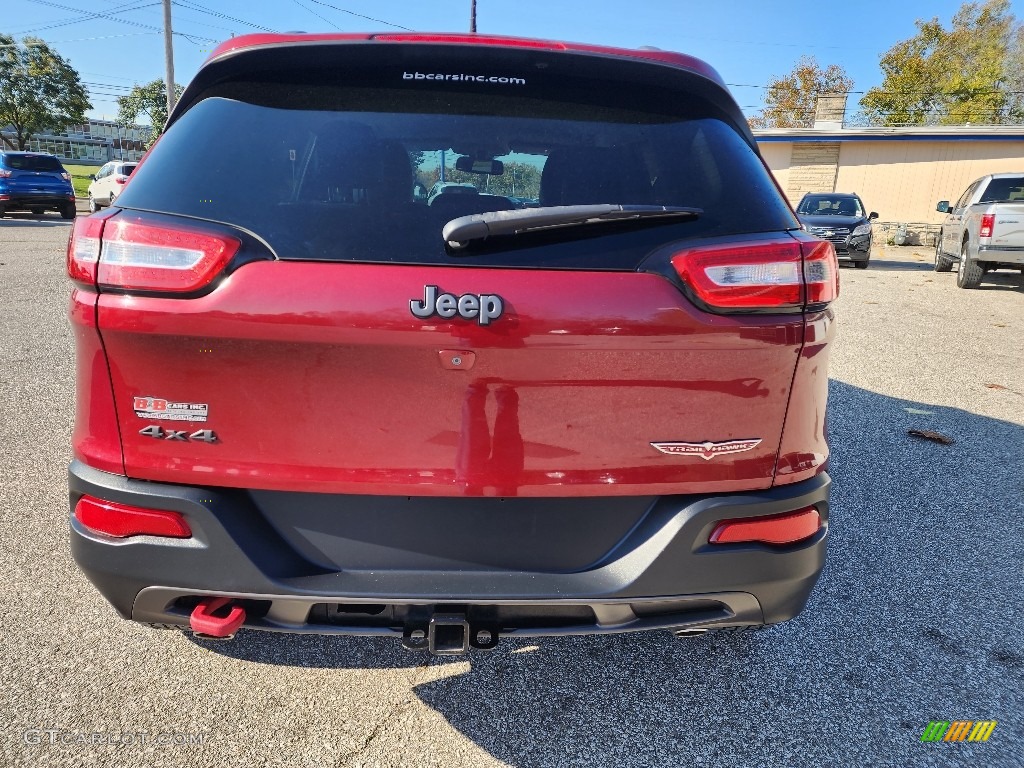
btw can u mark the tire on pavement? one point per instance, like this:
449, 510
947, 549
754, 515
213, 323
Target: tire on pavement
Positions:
943, 263
968, 271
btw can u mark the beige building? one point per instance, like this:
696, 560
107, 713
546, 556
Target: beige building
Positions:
899, 172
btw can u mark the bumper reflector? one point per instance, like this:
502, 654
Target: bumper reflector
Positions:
123, 520
787, 528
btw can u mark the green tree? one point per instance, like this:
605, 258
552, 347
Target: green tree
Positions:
39, 90
518, 180
790, 100
963, 74
148, 102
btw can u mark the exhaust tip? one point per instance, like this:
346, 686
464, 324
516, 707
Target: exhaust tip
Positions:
683, 633
212, 638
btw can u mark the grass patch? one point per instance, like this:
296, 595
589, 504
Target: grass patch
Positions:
80, 177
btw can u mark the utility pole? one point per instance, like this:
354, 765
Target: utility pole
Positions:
472, 17
168, 58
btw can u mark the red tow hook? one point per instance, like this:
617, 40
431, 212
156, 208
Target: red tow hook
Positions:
206, 623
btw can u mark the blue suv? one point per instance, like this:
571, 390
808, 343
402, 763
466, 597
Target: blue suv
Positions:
36, 183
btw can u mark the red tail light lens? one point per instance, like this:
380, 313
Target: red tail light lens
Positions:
66, 176
4, 174
821, 272
84, 248
120, 179
124, 520
779, 275
988, 223
787, 528
142, 256
744, 277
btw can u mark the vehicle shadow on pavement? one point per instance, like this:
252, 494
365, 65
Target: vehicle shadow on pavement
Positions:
1000, 281
916, 618
887, 265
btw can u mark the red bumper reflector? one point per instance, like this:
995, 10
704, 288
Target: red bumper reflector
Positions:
124, 520
216, 617
787, 528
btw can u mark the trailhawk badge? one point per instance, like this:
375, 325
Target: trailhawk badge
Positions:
707, 450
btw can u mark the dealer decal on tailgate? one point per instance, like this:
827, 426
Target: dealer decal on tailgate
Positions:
158, 408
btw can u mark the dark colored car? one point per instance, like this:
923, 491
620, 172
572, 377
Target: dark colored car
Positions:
841, 219
308, 401
30, 181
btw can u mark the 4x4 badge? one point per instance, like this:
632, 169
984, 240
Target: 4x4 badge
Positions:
707, 450
484, 307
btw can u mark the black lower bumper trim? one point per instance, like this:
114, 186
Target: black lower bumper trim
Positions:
661, 573
417, 624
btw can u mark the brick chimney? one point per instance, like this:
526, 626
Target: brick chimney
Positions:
829, 111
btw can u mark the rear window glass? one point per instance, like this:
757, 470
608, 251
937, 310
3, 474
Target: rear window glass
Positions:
126, 170
32, 163
1010, 189
359, 174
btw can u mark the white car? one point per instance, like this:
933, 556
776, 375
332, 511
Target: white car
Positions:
107, 184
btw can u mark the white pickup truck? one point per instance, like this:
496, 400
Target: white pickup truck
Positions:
984, 229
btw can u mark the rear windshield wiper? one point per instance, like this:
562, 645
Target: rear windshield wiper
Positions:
460, 232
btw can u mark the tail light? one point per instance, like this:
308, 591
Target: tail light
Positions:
124, 520
84, 248
787, 528
778, 275
111, 250
4, 174
142, 256
988, 223
66, 176
821, 272
120, 179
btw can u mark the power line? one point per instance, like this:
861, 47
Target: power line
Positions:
307, 8
88, 17
196, 7
361, 16
110, 16
78, 39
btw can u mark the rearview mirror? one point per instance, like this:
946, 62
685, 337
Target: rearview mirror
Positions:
872, 216
488, 167
943, 206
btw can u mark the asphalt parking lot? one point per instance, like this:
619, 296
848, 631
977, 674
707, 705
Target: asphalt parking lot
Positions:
918, 615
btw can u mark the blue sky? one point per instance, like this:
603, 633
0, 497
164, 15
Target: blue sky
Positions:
745, 40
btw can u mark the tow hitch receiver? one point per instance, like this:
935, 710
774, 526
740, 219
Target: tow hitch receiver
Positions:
448, 634
216, 618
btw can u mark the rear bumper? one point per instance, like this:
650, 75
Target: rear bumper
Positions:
49, 199
1001, 255
660, 573
854, 248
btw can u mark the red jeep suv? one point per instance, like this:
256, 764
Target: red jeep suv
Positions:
584, 394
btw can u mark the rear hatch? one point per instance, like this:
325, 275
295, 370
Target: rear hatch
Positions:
35, 174
326, 336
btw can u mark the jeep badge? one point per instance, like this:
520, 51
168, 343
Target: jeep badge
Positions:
483, 307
